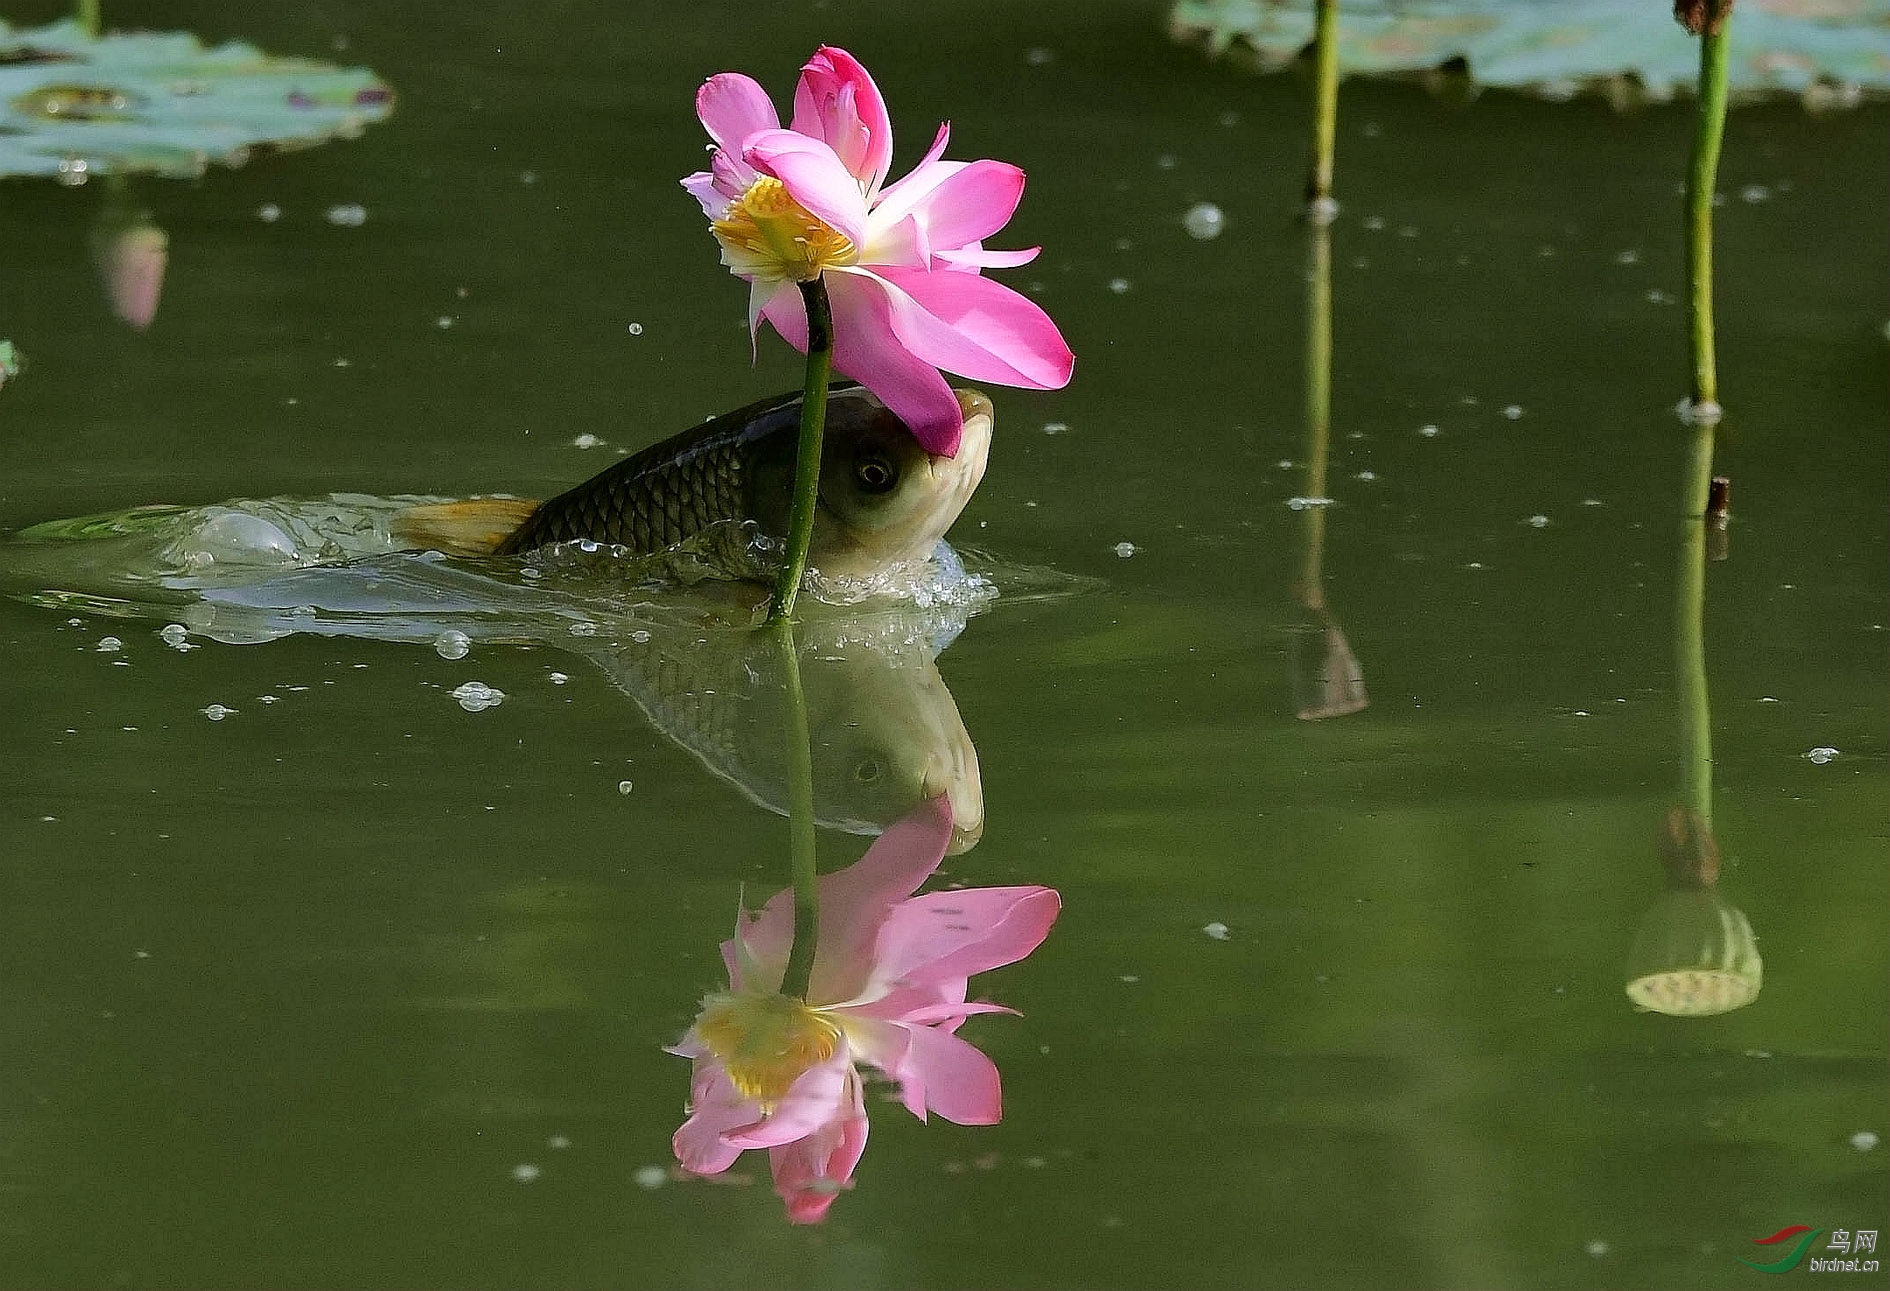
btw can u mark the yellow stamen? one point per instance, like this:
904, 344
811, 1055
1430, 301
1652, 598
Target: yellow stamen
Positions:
766, 234
765, 1042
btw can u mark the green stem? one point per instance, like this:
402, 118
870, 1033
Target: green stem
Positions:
1318, 412
1702, 174
787, 583
89, 17
800, 965
1689, 633
1326, 109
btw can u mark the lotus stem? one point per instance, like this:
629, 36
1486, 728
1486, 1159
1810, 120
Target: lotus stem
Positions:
1689, 635
1318, 411
89, 17
1320, 208
801, 852
1702, 175
787, 583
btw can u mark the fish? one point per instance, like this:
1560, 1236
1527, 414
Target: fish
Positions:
882, 498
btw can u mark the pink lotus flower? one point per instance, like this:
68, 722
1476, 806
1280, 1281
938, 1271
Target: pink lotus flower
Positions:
902, 262
888, 989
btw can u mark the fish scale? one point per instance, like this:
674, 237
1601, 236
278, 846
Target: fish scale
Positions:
648, 502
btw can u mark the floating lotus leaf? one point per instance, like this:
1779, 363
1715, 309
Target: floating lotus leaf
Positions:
1832, 52
74, 105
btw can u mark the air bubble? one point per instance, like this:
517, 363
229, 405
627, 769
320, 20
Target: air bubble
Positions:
1307, 504
1217, 930
476, 696
268, 212
635, 329
1820, 755
1119, 285
350, 215
1125, 549
217, 712
586, 441
452, 644
625, 786
109, 645
1204, 221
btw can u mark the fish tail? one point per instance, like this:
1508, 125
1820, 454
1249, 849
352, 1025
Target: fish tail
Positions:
475, 527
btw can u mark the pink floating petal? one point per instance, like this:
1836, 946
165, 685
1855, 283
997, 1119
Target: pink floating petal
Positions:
732, 107
133, 267
978, 328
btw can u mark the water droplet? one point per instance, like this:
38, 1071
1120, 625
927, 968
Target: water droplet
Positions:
347, 216
525, 1172
640, 636
1537, 522
476, 696
586, 441
175, 635
1119, 285
1166, 161
268, 212
528, 177
583, 628
1513, 412
1217, 930
1204, 221
635, 329
557, 1142
1429, 432
624, 787
1596, 1247
1125, 549
1056, 427
109, 645
217, 712
1367, 476
1655, 296
558, 678
1307, 504
1820, 755
443, 322
1630, 256
650, 1177
1864, 1140
452, 644
1373, 223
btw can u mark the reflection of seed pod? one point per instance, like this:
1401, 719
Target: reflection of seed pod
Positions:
1694, 956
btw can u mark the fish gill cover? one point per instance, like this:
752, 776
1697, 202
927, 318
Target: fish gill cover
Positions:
1831, 52
73, 104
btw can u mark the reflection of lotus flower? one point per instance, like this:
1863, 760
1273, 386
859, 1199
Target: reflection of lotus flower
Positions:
902, 263
131, 255
888, 989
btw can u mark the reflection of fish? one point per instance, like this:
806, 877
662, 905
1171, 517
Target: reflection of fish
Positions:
884, 731
883, 498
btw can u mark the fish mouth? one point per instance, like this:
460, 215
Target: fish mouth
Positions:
951, 772
974, 444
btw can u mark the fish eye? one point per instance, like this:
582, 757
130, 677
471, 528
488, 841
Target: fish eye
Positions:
869, 770
875, 474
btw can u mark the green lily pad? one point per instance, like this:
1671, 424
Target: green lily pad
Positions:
73, 105
1831, 52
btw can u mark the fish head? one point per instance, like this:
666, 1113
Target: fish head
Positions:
886, 736
883, 498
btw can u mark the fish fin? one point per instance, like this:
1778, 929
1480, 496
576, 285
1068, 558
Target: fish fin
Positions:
474, 527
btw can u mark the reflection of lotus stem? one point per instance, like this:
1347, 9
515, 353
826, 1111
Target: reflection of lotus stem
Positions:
1700, 180
88, 17
1326, 109
807, 464
800, 965
1318, 410
1689, 633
